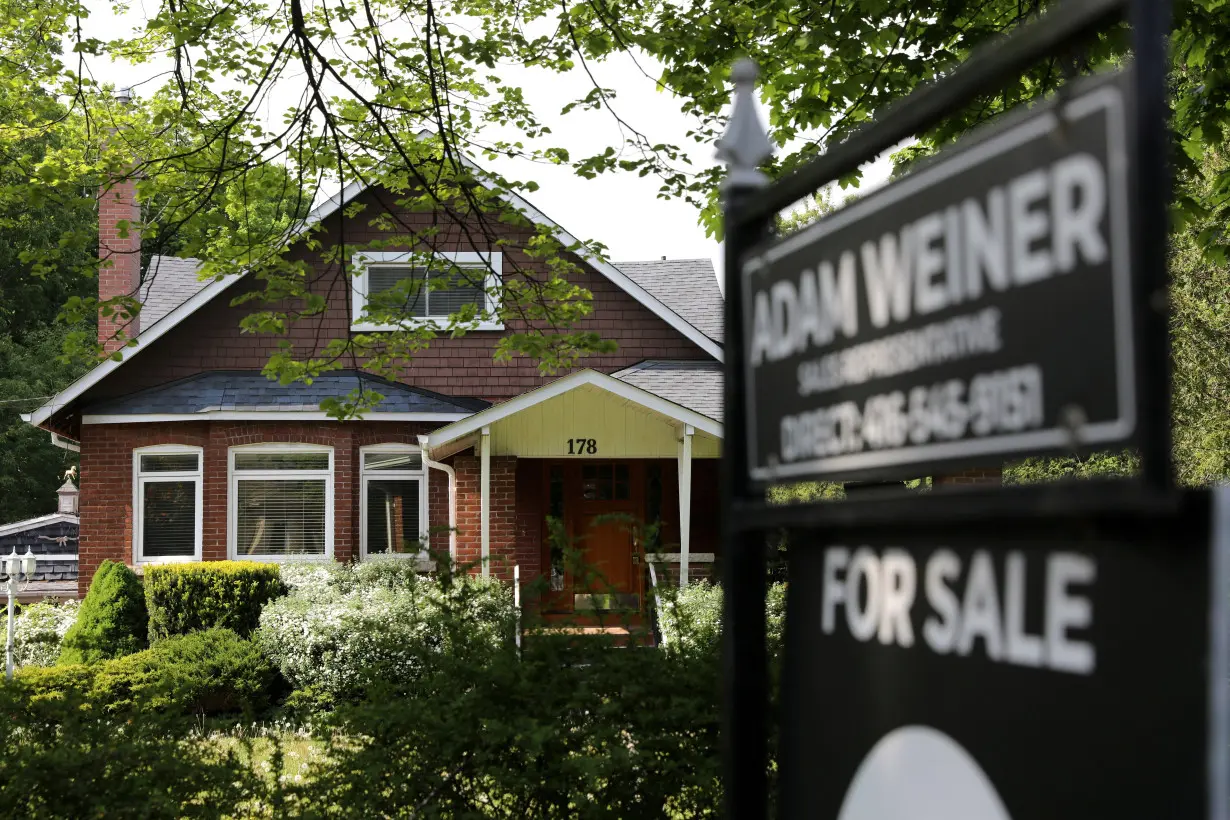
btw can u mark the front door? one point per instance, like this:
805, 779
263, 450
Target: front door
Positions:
599, 505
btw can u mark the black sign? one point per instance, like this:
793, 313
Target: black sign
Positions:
1065, 673
977, 309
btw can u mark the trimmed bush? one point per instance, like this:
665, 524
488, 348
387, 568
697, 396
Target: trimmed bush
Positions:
112, 621
40, 630
184, 598
209, 672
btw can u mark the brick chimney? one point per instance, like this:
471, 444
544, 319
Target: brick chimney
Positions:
119, 270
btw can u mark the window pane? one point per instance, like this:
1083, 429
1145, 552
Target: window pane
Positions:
465, 287
385, 278
168, 519
170, 463
280, 517
392, 461
281, 461
393, 516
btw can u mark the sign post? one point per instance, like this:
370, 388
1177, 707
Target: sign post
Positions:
1047, 652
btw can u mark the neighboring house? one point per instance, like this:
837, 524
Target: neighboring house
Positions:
188, 453
53, 538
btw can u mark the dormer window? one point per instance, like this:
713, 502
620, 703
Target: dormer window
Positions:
393, 290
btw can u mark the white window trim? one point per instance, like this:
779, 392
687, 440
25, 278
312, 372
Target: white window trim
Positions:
420, 474
138, 513
232, 497
360, 262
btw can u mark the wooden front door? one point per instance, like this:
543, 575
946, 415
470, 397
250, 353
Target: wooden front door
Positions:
599, 505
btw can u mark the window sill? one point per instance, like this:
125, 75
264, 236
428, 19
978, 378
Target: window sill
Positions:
281, 559
442, 322
141, 563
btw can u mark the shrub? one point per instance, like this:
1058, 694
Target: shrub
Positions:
206, 672
80, 763
340, 630
691, 616
112, 620
40, 631
183, 598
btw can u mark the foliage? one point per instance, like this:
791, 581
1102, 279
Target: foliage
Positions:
208, 672
183, 598
64, 761
571, 729
40, 631
691, 617
342, 629
31, 468
1096, 465
112, 620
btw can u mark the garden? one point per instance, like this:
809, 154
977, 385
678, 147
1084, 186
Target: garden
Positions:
243, 689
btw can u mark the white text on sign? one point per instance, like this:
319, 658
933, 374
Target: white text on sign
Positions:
966, 607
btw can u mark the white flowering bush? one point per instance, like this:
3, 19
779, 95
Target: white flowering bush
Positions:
40, 630
691, 617
343, 628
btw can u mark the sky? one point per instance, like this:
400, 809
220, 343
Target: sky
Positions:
620, 210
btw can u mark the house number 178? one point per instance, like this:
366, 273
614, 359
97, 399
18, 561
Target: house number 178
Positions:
582, 446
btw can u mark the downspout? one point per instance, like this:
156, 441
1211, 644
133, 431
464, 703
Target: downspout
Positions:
485, 502
452, 495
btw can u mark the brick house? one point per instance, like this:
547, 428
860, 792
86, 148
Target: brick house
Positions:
189, 454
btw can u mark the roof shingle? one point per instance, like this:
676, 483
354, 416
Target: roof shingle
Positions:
687, 286
696, 385
169, 282
250, 390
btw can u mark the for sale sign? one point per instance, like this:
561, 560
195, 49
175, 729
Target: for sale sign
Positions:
979, 308
1029, 671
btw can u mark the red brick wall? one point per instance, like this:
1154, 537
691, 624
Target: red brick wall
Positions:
211, 340
503, 513
119, 270
107, 491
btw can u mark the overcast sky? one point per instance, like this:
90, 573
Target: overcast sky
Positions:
620, 210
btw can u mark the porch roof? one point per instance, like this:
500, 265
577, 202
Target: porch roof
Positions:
624, 420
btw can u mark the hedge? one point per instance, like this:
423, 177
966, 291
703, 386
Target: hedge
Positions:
210, 672
112, 621
184, 598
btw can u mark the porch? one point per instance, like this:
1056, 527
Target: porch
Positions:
605, 478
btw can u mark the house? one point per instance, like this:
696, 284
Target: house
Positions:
188, 453
53, 539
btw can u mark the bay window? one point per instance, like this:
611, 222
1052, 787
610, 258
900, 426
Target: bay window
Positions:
167, 504
393, 500
280, 502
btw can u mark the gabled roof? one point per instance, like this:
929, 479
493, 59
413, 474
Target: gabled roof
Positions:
157, 324
696, 385
36, 523
688, 286
169, 282
244, 394
475, 423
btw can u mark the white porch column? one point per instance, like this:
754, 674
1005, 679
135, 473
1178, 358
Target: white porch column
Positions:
685, 501
485, 503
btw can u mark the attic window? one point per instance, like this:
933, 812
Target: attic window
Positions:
424, 288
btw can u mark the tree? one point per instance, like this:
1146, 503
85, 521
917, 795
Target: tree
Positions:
399, 96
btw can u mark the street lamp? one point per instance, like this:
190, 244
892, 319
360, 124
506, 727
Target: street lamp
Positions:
13, 565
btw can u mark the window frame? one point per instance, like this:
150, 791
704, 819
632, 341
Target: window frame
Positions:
365, 475
491, 261
140, 479
233, 477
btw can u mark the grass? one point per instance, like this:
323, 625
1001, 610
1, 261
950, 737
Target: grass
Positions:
273, 750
